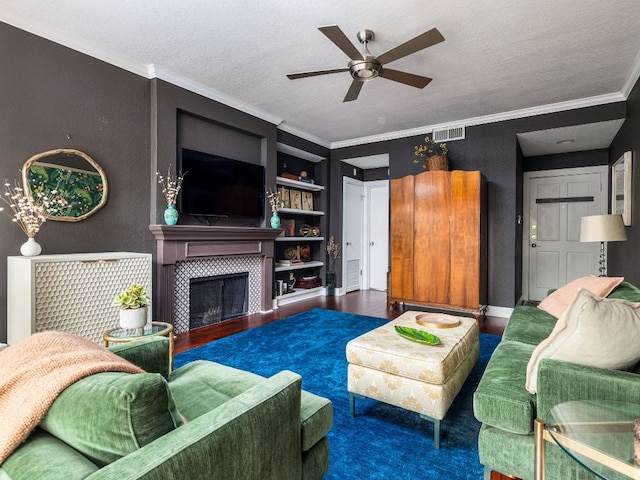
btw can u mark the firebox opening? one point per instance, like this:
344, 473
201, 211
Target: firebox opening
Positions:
218, 298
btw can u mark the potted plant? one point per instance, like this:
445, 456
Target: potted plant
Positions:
133, 303
435, 155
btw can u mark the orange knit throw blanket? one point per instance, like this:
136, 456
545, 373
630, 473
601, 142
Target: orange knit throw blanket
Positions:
34, 371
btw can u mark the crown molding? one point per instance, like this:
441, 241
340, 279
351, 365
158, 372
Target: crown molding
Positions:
156, 71
305, 135
634, 75
498, 117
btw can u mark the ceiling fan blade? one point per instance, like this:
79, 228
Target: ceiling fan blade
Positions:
416, 44
294, 76
404, 77
354, 91
341, 41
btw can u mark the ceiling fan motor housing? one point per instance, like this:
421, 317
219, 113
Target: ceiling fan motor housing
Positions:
366, 69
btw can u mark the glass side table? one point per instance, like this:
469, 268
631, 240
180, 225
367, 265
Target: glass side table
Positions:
161, 329
598, 434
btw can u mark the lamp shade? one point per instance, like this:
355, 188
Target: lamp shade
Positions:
602, 228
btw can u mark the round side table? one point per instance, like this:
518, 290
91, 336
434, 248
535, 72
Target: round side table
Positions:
153, 329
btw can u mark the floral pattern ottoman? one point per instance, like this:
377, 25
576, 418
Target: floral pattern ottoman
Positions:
421, 378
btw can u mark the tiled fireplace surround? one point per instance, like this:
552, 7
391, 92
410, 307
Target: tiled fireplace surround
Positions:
194, 251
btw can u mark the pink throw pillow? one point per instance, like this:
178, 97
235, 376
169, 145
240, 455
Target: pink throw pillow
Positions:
558, 301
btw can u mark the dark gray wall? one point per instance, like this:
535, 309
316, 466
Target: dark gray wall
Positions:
493, 149
623, 256
49, 92
588, 158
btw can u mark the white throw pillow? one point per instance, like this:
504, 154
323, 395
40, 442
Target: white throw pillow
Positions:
593, 331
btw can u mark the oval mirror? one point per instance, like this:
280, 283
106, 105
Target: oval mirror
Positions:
73, 183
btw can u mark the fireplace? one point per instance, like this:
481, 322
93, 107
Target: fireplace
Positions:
185, 252
217, 298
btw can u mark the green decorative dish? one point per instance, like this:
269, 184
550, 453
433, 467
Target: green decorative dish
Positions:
418, 336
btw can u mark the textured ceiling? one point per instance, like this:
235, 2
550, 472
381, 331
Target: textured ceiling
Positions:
500, 59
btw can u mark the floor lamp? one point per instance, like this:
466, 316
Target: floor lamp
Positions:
602, 228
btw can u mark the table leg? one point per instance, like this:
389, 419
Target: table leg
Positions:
170, 352
538, 435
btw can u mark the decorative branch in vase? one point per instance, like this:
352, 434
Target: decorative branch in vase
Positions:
170, 189
27, 213
276, 204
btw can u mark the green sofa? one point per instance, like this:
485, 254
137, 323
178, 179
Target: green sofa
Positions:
507, 410
203, 421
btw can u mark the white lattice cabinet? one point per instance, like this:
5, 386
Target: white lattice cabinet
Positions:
72, 293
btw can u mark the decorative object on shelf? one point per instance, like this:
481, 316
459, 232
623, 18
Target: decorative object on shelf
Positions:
28, 213
292, 253
289, 226
307, 200
290, 176
170, 189
296, 199
305, 253
309, 231
70, 179
284, 197
309, 282
304, 177
333, 250
621, 182
133, 303
276, 205
435, 155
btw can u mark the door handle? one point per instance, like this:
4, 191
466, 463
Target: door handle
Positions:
371, 243
348, 243
533, 245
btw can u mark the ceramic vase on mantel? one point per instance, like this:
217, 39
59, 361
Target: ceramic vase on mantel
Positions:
131, 318
30, 248
171, 215
275, 221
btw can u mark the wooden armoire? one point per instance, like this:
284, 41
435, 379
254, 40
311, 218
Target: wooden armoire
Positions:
438, 248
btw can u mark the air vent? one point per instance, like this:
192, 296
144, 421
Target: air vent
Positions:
455, 132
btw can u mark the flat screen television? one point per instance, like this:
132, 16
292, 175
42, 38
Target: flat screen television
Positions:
219, 186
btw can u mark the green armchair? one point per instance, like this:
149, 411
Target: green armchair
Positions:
231, 424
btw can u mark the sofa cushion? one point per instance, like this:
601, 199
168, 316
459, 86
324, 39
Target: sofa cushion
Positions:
201, 386
44, 456
558, 301
596, 332
626, 291
106, 416
501, 399
529, 325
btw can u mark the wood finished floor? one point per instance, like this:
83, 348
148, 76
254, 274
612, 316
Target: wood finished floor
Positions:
366, 302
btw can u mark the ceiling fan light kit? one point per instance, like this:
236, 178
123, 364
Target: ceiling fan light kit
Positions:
363, 66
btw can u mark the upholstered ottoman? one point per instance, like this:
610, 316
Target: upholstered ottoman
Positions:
422, 378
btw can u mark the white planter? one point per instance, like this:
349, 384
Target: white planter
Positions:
30, 248
133, 318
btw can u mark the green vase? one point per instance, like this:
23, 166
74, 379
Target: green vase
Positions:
331, 284
171, 215
275, 221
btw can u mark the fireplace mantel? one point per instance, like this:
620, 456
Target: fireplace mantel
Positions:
177, 243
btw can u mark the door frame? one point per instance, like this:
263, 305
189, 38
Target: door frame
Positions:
345, 182
602, 170
366, 260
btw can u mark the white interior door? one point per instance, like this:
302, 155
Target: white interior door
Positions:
554, 203
353, 215
377, 249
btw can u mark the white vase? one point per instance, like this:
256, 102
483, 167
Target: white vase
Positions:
131, 318
30, 248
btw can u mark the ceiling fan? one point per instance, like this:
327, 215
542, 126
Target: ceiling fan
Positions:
364, 66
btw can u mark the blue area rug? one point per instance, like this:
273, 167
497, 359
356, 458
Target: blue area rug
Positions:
382, 441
